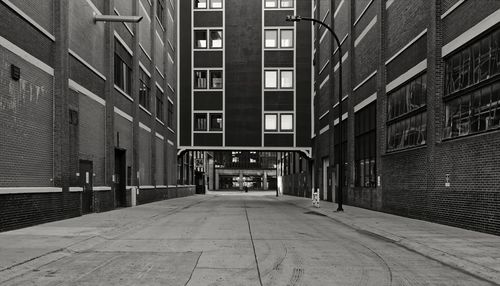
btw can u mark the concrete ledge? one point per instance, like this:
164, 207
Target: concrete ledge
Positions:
29, 190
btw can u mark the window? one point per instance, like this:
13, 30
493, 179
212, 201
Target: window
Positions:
286, 79
216, 79
200, 79
286, 3
123, 72
159, 105
216, 122
160, 12
200, 122
170, 115
200, 4
271, 122
365, 145
216, 4
475, 63
271, 79
271, 4
286, 122
406, 114
286, 37
200, 39
271, 38
473, 112
215, 39
144, 89
473, 107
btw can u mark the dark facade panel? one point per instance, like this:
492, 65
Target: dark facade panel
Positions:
303, 78
207, 59
278, 59
277, 18
85, 77
22, 34
366, 56
125, 34
278, 140
405, 20
359, 6
144, 59
207, 139
341, 22
207, 19
462, 19
364, 91
122, 102
407, 59
278, 100
323, 122
208, 100
184, 87
365, 19
243, 73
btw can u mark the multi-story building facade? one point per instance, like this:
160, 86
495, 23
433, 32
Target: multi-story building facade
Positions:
245, 77
421, 97
88, 109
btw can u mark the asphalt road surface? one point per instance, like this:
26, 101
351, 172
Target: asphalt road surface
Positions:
240, 239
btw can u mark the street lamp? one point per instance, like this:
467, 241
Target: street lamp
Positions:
296, 18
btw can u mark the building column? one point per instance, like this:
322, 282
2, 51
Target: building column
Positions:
216, 187
240, 180
264, 182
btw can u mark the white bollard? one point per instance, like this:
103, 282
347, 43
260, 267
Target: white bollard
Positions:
315, 198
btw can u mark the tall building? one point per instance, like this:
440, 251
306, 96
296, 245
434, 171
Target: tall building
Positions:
245, 76
420, 108
88, 108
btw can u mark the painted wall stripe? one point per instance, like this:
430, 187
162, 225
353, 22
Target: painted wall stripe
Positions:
145, 12
388, 3
170, 142
338, 9
324, 66
85, 63
29, 190
324, 114
26, 56
324, 82
127, 48
159, 87
143, 126
324, 129
406, 76
75, 86
29, 20
144, 69
406, 46
365, 31
365, 102
344, 117
159, 136
452, 8
344, 58
123, 114
365, 80
363, 12
473, 32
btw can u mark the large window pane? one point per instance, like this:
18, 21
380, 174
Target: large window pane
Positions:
286, 38
216, 122
464, 123
200, 39
216, 4
216, 79
286, 79
271, 38
200, 122
476, 60
271, 79
485, 58
216, 39
286, 122
495, 53
271, 122
200, 4
271, 3
200, 79
495, 105
466, 68
452, 118
286, 3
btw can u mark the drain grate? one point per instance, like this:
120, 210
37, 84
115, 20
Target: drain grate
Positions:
314, 213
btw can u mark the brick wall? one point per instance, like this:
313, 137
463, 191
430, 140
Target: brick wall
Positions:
25, 124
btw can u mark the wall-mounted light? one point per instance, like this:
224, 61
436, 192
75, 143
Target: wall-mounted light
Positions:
116, 18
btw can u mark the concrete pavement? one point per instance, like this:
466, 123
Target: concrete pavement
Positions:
231, 239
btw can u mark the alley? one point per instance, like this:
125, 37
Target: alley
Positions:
231, 239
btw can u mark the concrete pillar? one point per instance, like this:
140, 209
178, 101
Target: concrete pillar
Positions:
240, 180
216, 187
264, 182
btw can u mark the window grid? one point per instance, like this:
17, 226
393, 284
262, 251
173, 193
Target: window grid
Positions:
144, 90
212, 79
278, 79
208, 39
208, 121
208, 4
279, 38
278, 122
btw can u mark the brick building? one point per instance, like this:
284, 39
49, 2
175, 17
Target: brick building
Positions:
88, 109
421, 109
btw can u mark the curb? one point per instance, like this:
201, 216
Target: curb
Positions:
458, 263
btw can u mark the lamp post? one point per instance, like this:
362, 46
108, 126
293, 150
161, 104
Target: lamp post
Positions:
296, 18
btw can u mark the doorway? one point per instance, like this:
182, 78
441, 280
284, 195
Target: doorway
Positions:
120, 177
86, 182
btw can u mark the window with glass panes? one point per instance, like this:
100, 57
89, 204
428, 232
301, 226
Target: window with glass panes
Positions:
215, 122
200, 122
170, 115
472, 87
123, 72
365, 146
144, 89
407, 115
160, 114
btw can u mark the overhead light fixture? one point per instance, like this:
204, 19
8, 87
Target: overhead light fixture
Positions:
116, 18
